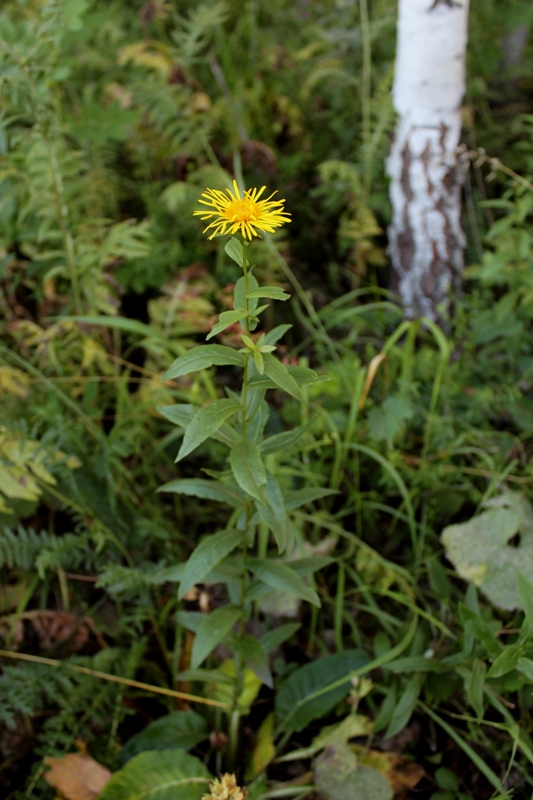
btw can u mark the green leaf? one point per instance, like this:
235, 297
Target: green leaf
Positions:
119, 323
274, 638
254, 657
214, 628
506, 661
273, 514
181, 729
481, 551
191, 620
248, 469
239, 293
525, 667
158, 775
406, 705
207, 555
283, 442
525, 590
205, 422
207, 490
385, 423
282, 578
276, 334
480, 629
234, 249
180, 414
338, 776
202, 357
226, 319
476, 686
258, 361
272, 292
305, 695
301, 497
278, 373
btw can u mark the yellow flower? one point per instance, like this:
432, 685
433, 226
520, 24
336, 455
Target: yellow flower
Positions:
225, 789
246, 213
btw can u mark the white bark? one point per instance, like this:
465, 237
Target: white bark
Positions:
426, 240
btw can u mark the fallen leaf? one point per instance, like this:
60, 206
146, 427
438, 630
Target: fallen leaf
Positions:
401, 773
76, 777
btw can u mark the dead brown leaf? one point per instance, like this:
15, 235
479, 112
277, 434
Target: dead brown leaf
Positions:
401, 773
76, 777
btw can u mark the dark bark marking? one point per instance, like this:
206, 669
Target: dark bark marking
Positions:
447, 3
406, 168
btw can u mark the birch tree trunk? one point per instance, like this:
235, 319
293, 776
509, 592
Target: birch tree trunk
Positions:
426, 239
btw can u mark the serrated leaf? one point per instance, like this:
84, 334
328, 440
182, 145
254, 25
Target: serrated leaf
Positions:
207, 490
203, 357
180, 729
274, 638
205, 422
226, 319
278, 373
234, 249
248, 469
207, 555
215, 626
282, 578
272, 292
158, 775
304, 696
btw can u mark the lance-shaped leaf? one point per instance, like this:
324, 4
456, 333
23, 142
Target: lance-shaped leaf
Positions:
278, 373
274, 638
276, 333
254, 657
282, 578
226, 319
283, 441
213, 629
272, 292
300, 497
207, 555
205, 422
274, 515
207, 490
202, 357
248, 469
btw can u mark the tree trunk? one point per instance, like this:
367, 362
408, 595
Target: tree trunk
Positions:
426, 239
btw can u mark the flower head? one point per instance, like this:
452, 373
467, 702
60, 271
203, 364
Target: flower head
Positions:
225, 789
247, 214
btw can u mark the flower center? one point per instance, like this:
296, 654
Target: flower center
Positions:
244, 210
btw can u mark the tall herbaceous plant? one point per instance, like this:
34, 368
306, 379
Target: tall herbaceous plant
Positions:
244, 553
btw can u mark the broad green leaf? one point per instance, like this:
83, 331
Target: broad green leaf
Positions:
302, 375
202, 357
482, 552
158, 775
282, 578
278, 373
248, 469
207, 555
301, 497
207, 490
181, 729
305, 695
205, 422
338, 776
233, 248
223, 572
476, 686
253, 656
525, 666
214, 628
272, 292
226, 319
274, 638
283, 442
191, 620
310, 564
274, 515
406, 705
